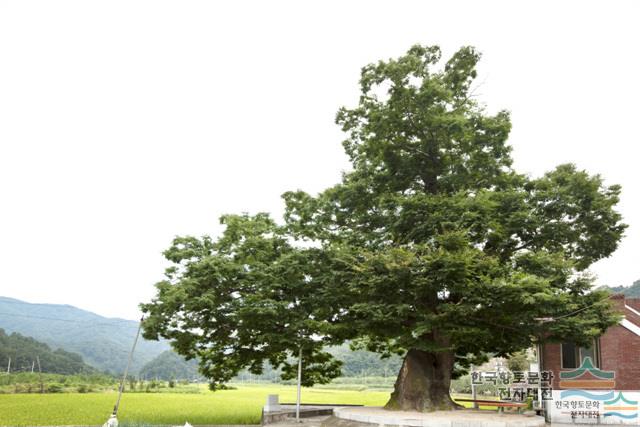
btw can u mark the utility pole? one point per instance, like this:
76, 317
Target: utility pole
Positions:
473, 389
40, 375
299, 385
126, 371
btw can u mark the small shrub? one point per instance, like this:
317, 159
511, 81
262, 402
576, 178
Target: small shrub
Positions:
222, 387
55, 388
461, 385
530, 403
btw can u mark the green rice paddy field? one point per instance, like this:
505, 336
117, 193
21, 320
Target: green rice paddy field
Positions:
241, 406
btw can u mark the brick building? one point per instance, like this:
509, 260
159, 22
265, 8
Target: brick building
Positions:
617, 351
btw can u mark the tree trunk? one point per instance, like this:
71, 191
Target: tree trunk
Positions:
423, 383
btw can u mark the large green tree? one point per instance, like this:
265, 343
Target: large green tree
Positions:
246, 299
431, 247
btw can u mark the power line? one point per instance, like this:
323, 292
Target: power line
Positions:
111, 323
584, 308
553, 319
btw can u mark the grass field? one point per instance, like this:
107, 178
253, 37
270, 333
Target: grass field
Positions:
241, 406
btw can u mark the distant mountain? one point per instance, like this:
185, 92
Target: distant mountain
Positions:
357, 363
103, 342
24, 354
170, 365
632, 291
361, 362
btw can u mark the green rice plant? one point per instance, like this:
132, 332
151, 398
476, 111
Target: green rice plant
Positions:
239, 406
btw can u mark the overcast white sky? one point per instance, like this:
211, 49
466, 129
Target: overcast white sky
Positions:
125, 123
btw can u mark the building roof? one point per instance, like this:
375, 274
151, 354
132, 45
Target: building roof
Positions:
631, 320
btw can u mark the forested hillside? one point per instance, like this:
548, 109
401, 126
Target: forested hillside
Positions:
21, 354
103, 342
632, 291
359, 363
170, 365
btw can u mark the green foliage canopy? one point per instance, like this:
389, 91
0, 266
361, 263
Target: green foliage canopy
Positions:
431, 242
246, 299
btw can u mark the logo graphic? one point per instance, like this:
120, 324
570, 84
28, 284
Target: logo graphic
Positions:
587, 376
621, 407
606, 404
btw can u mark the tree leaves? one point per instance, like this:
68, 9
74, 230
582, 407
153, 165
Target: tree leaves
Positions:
247, 298
432, 241
448, 240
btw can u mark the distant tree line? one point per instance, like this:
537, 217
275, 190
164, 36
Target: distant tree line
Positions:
24, 354
632, 291
356, 363
102, 342
170, 366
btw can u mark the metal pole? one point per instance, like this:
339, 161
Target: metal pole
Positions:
473, 389
299, 385
40, 375
126, 370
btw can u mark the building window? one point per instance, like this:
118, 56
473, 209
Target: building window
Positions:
573, 356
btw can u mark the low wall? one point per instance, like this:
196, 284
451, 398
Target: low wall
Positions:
288, 410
